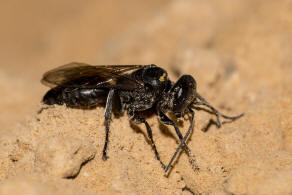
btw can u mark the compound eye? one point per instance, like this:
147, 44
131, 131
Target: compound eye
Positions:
154, 76
183, 91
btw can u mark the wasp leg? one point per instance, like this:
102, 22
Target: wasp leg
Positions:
215, 111
107, 115
192, 159
165, 120
138, 120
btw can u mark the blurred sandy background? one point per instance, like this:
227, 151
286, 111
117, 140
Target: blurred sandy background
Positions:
238, 51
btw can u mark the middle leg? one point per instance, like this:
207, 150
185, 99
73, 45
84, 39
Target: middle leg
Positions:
138, 120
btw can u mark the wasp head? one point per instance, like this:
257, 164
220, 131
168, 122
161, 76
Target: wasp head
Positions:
181, 95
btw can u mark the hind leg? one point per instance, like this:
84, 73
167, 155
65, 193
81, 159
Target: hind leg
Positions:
107, 115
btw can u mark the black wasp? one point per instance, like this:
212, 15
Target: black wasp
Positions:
130, 88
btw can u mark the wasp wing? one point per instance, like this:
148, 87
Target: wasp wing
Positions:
83, 75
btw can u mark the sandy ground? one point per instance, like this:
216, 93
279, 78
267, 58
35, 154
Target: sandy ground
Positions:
238, 51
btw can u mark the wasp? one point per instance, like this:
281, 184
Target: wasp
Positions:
131, 89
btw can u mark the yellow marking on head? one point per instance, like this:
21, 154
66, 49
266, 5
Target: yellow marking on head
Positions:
112, 82
162, 78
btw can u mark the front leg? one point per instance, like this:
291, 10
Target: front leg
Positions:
139, 120
192, 159
167, 121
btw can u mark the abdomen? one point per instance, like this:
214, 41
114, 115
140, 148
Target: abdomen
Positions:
76, 97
